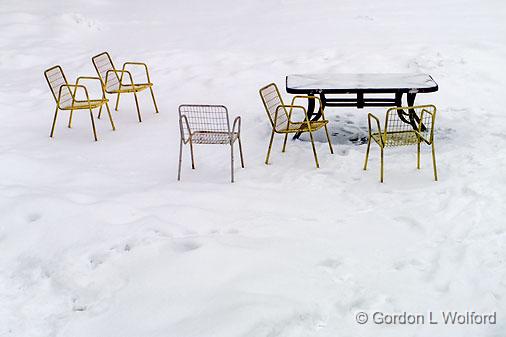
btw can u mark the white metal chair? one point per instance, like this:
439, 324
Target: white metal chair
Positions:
208, 124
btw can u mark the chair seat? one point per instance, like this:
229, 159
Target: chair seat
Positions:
125, 88
78, 105
302, 126
400, 138
207, 137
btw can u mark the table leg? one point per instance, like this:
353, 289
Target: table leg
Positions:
401, 113
322, 107
413, 117
310, 107
411, 114
310, 113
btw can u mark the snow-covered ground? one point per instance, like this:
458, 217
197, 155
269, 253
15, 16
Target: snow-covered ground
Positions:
99, 239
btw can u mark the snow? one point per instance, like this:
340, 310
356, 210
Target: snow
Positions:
360, 81
99, 239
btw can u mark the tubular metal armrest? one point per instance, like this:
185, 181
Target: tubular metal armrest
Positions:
237, 121
90, 78
369, 116
138, 64
122, 72
75, 86
183, 117
306, 117
419, 131
310, 97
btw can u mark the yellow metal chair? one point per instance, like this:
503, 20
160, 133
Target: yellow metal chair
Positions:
398, 133
281, 118
113, 80
65, 95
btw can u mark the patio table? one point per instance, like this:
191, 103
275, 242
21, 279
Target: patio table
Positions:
360, 85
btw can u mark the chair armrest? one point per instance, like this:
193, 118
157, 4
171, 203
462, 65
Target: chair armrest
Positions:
138, 64
306, 97
369, 116
88, 78
292, 107
94, 78
310, 97
122, 72
420, 125
181, 127
237, 121
73, 95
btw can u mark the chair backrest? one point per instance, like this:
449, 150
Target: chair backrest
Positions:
271, 99
103, 63
398, 132
204, 118
55, 79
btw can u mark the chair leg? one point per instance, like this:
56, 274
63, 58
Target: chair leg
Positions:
434, 161
284, 142
240, 151
328, 139
381, 172
117, 102
54, 122
191, 152
231, 162
314, 149
269, 149
70, 118
99, 112
153, 96
110, 116
93, 125
367, 153
180, 160
137, 105
418, 156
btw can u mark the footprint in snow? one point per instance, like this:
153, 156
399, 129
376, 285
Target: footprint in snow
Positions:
411, 223
32, 217
331, 263
186, 246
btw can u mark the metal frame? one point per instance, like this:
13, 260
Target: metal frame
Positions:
208, 124
117, 80
398, 133
283, 124
66, 100
361, 101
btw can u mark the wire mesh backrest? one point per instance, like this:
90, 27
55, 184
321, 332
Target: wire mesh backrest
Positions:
55, 78
401, 123
103, 63
272, 100
204, 118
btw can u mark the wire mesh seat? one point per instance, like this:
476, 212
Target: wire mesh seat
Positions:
66, 94
208, 124
119, 82
281, 118
396, 132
